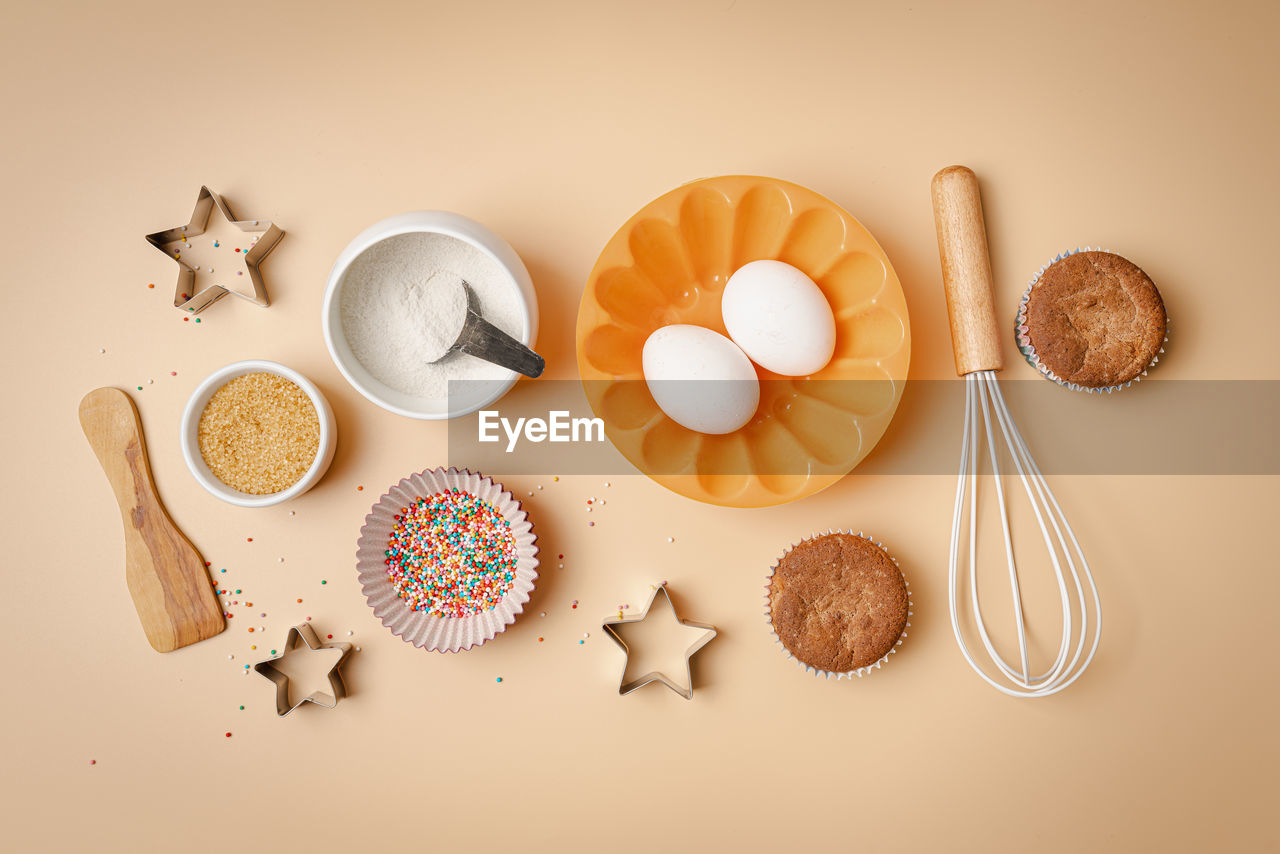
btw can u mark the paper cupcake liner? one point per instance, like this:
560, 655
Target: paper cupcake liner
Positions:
816, 671
1029, 352
443, 634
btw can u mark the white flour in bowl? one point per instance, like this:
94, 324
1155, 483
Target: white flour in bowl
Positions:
394, 322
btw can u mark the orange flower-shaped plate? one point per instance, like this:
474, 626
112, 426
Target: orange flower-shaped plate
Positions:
669, 264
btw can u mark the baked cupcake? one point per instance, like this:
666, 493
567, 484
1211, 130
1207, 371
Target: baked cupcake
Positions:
1092, 321
838, 604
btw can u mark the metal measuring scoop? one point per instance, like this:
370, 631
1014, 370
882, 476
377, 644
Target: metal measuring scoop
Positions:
480, 338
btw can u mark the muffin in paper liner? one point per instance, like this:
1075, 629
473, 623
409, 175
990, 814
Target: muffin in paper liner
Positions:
443, 634
1028, 351
808, 668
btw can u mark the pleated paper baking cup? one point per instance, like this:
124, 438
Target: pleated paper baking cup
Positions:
428, 631
1028, 350
816, 671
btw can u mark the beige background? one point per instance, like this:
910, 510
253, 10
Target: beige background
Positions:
1148, 127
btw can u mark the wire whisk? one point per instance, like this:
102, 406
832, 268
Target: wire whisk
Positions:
989, 428
983, 400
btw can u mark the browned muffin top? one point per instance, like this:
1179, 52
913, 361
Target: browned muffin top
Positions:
838, 602
1095, 319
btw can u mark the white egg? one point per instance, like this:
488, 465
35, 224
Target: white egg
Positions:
700, 378
779, 318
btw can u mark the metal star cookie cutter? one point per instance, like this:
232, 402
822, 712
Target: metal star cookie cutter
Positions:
655, 675
184, 295
312, 640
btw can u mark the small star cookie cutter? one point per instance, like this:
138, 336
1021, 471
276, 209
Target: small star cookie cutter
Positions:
308, 636
685, 690
185, 296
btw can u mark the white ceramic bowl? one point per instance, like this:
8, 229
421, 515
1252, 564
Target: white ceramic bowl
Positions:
191, 439
438, 222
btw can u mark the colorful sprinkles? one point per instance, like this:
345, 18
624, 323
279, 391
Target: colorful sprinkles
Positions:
451, 555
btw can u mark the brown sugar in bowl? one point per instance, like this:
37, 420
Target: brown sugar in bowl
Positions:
1092, 320
193, 453
838, 604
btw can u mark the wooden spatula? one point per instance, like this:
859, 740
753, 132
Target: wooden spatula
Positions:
166, 575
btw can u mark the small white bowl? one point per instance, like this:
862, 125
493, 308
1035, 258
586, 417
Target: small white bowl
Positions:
191, 436
435, 222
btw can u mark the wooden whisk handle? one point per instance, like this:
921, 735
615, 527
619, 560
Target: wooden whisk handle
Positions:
966, 270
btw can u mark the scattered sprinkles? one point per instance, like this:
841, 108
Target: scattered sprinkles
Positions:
451, 555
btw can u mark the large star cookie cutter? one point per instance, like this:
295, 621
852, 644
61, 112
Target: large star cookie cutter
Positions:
337, 687
185, 296
685, 690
